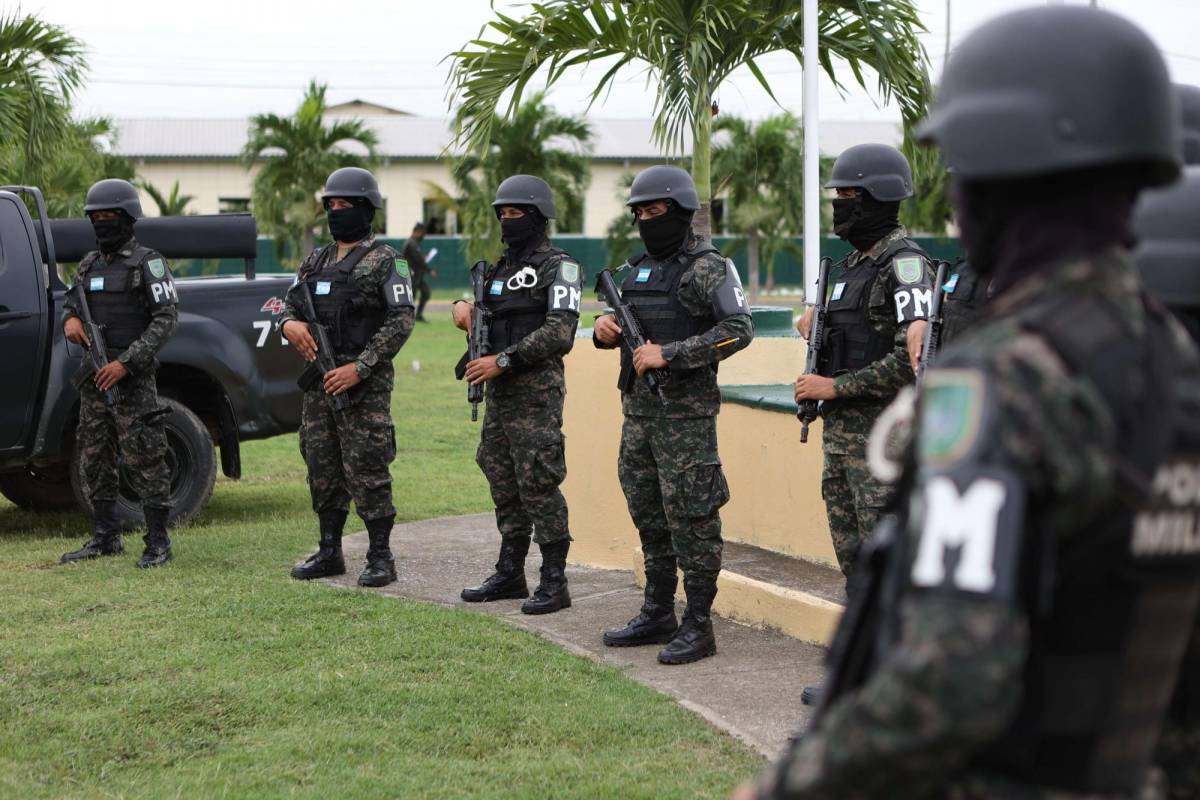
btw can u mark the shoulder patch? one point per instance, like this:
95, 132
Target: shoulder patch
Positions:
909, 269
569, 271
951, 284
402, 267
157, 267
952, 406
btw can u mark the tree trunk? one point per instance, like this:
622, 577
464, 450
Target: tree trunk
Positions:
308, 242
752, 258
771, 274
702, 171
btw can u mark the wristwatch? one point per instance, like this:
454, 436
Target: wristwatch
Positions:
504, 361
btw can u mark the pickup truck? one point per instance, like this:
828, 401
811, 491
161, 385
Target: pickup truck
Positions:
226, 375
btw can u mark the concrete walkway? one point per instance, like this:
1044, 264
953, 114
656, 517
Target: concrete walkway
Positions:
751, 688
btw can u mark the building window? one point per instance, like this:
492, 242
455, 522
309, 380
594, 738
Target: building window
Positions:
438, 219
379, 225
717, 212
233, 205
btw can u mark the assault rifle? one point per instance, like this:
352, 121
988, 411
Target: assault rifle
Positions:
325, 362
97, 352
477, 338
859, 634
933, 331
816, 338
631, 331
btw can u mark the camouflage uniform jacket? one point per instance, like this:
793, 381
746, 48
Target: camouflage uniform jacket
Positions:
863, 393
952, 682
374, 363
696, 395
140, 356
538, 357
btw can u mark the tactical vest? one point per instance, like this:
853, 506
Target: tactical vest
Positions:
516, 313
351, 316
851, 342
963, 304
651, 289
116, 303
1108, 627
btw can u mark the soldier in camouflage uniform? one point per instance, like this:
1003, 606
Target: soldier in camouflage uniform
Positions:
874, 328
1168, 257
966, 292
131, 295
690, 303
419, 268
1016, 627
362, 294
533, 294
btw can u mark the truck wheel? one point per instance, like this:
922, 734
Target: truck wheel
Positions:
192, 462
47, 489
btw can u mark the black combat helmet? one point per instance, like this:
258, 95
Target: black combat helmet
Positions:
352, 182
879, 169
1189, 108
664, 183
1056, 89
526, 190
1168, 250
111, 194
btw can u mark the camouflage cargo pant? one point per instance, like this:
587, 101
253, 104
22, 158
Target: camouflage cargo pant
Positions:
674, 486
348, 453
130, 434
521, 453
853, 503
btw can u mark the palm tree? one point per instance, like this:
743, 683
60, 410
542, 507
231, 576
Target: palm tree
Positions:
929, 209
41, 67
297, 154
756, 166
688, 48
535, 141
173, 205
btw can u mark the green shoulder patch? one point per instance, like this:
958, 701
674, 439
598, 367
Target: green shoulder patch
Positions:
951, 414
569, 271
157, 267
910, 269
402, 267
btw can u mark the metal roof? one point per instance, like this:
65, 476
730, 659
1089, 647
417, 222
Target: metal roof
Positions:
424, 138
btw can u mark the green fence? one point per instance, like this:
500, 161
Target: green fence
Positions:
452, 267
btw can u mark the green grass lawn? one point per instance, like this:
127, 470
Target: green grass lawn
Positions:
219, 676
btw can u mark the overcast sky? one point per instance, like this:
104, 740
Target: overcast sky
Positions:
233, 58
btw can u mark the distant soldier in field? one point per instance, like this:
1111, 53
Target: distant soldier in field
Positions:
690, 302
131, 294
362, 294
419, 268
533, 293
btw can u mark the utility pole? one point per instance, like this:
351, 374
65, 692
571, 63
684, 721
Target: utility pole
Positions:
812, 154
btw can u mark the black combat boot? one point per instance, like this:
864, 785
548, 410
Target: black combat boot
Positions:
551, 594
158, 544
694, 640
106, 535
508, 581
381, 567
328, 558
656, 623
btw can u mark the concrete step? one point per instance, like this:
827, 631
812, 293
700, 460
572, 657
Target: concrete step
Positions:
771, 590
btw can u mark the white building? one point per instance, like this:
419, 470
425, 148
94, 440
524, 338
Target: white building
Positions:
202, 154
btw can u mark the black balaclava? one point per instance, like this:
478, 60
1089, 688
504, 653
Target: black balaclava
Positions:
665, 235
862, 220
520, 232
111, 234
349, 225
1013, 228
